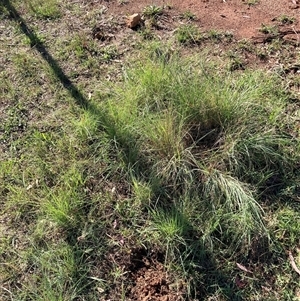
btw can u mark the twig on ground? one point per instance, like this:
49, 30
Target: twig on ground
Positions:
292, 260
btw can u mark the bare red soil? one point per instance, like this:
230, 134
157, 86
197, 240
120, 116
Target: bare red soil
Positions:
239, 17
242, 19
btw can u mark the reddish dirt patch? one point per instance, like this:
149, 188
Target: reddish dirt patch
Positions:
144, 276
236, 16
150, 281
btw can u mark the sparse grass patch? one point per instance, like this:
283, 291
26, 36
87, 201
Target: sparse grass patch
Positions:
251, 2
147, 33
3, 12
45, 9
268, 29
172, 227
236, 62
26, 64
218, 36
109, 53
55, 268
188, 15
285, 19
188, 34
245, 45
286, 227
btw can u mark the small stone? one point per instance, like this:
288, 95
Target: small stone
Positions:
134, 20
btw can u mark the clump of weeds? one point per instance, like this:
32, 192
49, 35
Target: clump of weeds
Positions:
188, 34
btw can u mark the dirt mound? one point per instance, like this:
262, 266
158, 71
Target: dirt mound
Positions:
150, 281
143, 276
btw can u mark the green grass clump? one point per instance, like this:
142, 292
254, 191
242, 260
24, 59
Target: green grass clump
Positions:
286, 226
188, 15
45, 9
285, 19
268, 29
188, 34
200, 133
152, 11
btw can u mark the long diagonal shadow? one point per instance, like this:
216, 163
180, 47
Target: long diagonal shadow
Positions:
105, 122
35, 42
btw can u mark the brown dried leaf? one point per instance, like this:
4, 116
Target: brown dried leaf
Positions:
243, 268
